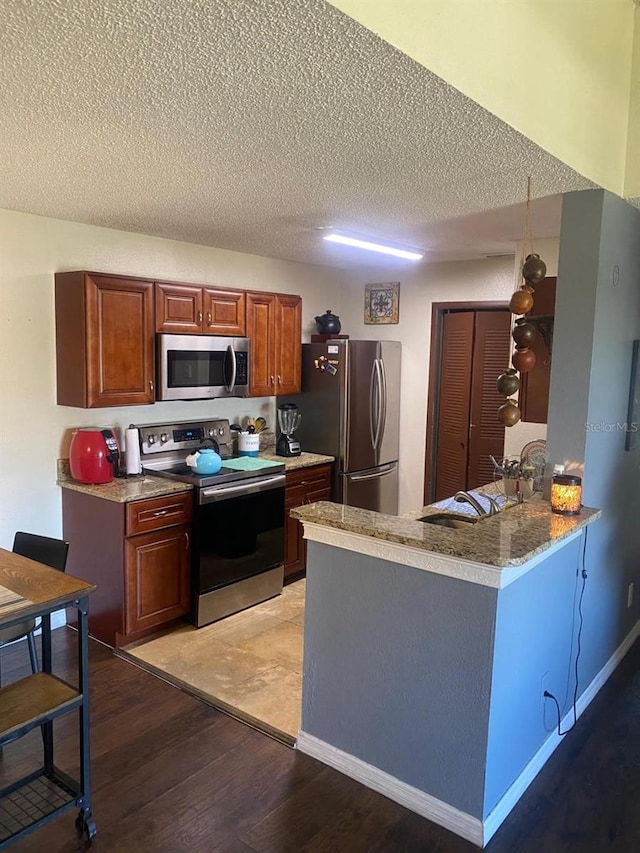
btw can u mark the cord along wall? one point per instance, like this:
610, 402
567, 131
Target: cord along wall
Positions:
536, 631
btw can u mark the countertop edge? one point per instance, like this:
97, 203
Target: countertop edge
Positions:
443, 552
126, 491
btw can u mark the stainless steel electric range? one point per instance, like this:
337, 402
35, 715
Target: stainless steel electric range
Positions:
237, 549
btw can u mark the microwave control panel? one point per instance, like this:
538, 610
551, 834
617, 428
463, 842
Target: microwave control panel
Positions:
242, 377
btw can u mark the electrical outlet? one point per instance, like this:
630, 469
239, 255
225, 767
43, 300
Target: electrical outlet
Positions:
544, 685
630, 595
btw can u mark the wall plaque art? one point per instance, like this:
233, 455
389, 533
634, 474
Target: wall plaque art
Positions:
382, 302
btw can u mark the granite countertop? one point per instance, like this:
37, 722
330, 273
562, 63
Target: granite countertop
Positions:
510, 538
143, 486
293, 463
123, 489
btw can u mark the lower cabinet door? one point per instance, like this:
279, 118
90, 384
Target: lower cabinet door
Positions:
156, 577
303, 486
294, 550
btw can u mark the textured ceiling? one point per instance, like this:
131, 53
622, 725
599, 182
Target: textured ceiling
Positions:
249, 125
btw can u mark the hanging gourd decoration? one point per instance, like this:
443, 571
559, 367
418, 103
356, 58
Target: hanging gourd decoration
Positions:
508, 382
509, 413
523, 333
534, 269
524, 359
521, 301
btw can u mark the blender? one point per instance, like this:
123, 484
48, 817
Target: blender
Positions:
288, 421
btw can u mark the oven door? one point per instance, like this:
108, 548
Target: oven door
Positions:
238, 546
194, 367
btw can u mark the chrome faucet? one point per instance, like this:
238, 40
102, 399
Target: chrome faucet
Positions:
466, 497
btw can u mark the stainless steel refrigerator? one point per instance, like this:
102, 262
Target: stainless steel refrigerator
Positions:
350, 408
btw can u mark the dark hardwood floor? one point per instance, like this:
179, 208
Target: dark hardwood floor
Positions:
171, 774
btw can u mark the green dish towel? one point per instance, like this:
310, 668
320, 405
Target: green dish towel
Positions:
248, 463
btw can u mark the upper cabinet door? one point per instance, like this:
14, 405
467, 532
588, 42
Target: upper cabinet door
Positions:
288, 334
178, 308
534, 385
104, 340
224, 312
261, 312
120, 342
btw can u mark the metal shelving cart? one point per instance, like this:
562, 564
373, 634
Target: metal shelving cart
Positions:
27, 590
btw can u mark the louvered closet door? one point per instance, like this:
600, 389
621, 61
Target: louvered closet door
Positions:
491, 352
454, 407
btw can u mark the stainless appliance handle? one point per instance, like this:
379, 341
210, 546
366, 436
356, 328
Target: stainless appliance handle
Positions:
379, 403
372, 427
373, 475
231, 350
263, 484
383, 404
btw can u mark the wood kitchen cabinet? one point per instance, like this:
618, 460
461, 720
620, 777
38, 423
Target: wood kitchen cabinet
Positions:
274, 326
534, 385
104, 340
303, 486
138, 555
189, 309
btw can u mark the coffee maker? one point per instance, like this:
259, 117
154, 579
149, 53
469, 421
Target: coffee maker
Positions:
288, 421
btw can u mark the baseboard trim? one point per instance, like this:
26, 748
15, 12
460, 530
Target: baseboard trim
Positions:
417, 801
462, 824
515, 792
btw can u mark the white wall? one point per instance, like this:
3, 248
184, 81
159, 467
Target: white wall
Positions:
463, 281
34, 430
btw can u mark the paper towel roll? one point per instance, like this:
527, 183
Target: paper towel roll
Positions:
132, 448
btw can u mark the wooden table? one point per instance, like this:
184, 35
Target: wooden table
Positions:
27, 590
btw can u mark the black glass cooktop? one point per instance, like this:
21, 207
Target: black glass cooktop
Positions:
184, 473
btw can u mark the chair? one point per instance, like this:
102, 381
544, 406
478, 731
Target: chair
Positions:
43, 549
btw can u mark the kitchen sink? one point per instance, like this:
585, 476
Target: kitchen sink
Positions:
442, 519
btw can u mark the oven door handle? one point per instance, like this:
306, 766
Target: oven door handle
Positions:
264, 484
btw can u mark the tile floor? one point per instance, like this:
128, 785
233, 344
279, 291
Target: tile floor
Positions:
249, 664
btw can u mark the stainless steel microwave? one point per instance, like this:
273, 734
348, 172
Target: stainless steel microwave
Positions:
200, 367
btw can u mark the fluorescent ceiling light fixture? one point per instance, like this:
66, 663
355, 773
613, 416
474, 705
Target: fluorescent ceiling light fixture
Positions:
345, 240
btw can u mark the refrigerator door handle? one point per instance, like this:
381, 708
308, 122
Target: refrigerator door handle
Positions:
373, 475
383, 402
379, 403
373, 424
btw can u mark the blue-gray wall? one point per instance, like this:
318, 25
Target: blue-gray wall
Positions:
397, 670
536, 630
597, 320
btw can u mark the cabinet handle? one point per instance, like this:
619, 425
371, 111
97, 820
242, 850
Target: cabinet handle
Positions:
273, 381
186, 536
279, 379
199, 316
151, 385
208, 318
160, 512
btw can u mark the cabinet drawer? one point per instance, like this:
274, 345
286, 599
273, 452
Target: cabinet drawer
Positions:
317, 477
294, 496
154, 513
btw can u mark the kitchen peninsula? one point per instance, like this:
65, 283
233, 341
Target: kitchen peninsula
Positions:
428, 650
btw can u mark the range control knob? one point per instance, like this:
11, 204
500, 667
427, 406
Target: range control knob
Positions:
164, 438
151, 439
212, 432
221, 431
